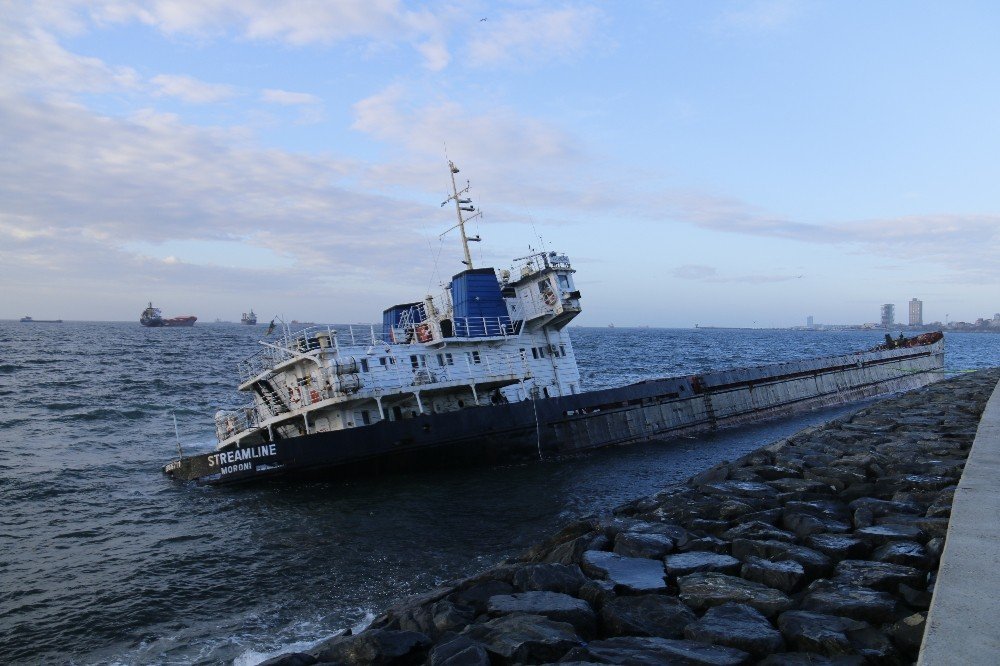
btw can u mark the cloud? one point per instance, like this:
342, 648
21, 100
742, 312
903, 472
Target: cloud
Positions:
761, 15
77, 188
506, 149
533, 35
310, 106
710, 274
285, 21
965, 244
286, 98
32, 59
191, 90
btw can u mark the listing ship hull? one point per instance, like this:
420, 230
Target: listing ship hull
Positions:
534, 429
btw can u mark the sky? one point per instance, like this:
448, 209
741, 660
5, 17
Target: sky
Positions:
729, 163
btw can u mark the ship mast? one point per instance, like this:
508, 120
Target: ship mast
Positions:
462, 204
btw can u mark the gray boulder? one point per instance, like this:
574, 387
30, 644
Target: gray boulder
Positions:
908, 634
519, 639
459, 651
553, 605
638, 544
759, 530
375, 646
784, 575
877, 575
645, 615
814, 563
630, 575
641, 650
876, 535
817, 632
838, 546
907, 553
704, 590
737, 626
565, 578
859, 603
683, 564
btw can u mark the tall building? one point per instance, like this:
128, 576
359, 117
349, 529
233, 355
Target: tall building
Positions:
888, 315
809, 321
916, 312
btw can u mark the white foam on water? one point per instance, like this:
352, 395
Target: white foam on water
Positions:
252, 657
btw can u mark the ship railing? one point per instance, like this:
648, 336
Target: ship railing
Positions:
261, 361
479, 327
322, 337
293, 344
236, 421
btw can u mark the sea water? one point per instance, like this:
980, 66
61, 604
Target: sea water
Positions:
105, 560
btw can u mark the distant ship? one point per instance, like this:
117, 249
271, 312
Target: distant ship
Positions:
28, 320
249, 318
153, 318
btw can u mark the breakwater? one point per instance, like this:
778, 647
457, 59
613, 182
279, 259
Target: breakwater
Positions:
824, 544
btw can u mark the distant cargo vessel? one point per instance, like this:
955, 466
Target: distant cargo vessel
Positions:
28, 320
152, 318
249, 318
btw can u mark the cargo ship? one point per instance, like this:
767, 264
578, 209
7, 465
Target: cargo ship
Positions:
153, 318
249, 318
485, 373
30, 320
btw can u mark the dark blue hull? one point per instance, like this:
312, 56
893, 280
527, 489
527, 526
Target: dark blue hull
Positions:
570, 424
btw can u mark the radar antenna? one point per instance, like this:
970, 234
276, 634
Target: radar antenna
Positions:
462, 204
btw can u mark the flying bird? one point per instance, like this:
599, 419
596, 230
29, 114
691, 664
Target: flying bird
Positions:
481, 20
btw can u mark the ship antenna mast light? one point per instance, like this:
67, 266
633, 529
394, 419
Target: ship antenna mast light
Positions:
462, 204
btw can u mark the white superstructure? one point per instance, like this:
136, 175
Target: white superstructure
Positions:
489, 337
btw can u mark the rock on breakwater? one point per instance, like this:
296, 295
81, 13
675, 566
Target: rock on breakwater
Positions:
820, 548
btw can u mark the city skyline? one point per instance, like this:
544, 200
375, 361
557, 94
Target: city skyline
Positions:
726, 164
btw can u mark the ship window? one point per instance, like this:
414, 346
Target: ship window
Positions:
397, 413
366, 417
364, 365
524, 354
562, 350
534, 352
445, 359
564, 281
541, 352
476, 358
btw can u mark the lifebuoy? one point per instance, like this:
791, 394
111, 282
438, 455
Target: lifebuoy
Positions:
423, 333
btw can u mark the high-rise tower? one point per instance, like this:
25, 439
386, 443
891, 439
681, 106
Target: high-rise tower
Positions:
916, 312
888, 315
